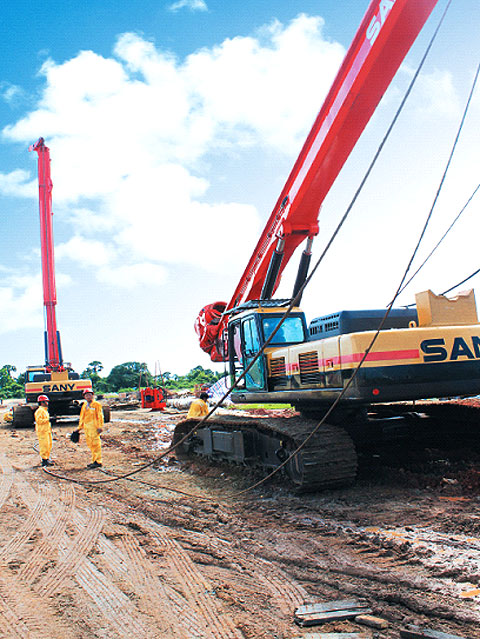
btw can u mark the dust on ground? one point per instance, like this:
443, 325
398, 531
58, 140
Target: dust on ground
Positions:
171, 552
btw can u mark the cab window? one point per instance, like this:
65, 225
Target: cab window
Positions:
290, 332
37, 376
250, 336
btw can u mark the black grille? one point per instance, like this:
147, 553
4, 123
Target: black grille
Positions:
278, 371
309, 370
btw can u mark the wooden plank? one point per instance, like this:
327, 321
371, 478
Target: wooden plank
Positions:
415, 632
340, 604
372, 622
314, 619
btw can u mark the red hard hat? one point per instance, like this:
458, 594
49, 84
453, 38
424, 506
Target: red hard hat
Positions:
88, 390
42, 398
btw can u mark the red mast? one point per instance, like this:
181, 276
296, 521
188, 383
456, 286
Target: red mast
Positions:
384, 37
53, 353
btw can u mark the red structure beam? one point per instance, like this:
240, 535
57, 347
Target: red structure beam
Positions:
383, 39
52, 347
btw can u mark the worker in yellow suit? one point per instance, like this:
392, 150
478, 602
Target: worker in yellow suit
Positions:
199, 407
91, 421
43, 430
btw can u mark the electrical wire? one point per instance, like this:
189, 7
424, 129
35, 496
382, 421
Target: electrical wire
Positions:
289, 309
442, 181
443, 236
462, 282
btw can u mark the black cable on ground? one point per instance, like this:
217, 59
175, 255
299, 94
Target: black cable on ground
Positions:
293, 303
156, 486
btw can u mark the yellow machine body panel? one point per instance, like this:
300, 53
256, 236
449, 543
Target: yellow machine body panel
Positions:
438, 358
403, 363
58, 385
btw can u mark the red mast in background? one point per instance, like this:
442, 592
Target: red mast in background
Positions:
53, 351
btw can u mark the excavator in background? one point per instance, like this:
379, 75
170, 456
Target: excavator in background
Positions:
55, 378
432, 351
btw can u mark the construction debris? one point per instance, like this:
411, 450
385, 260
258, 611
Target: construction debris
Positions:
315, 614
415, 632
372, 622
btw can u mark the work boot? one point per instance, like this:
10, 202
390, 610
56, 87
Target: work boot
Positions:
47, 462
94, 464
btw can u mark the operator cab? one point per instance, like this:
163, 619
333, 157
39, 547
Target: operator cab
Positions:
40, 373
249, 327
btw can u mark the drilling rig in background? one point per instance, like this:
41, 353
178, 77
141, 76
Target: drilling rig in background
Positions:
55, 378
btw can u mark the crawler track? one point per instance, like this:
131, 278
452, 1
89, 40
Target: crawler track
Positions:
327, 460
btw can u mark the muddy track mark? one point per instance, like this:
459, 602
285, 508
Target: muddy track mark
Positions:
160, 600
196, 589
23, 614
32, 523
120, 618
439, 554
6, 479
248, 568
423, 595
286, 592
52, 539
10, 624
113, 604
78, 549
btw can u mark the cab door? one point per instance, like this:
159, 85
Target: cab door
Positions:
255, 379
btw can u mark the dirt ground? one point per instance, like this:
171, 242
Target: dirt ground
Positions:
133, 558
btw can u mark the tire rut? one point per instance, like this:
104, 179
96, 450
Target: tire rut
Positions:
122, 619
162, 601
6, 479
79, 547
114, 605
196, 589
43, 553
32, 523
420, 594
26, 615
285, 592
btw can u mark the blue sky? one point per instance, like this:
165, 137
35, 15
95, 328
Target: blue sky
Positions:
172, 129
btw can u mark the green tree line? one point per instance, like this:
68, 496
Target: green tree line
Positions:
123, 377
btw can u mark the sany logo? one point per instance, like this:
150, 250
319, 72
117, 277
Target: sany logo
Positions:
377, 21
50, 388
435, 350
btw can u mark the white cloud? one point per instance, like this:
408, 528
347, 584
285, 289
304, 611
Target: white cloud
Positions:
18, 182
21, 302
193, 5
10, 93
437, 95
139, 141
130, 137
133, 275
84, 251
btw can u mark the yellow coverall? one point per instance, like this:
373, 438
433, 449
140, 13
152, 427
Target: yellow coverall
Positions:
91, 419
44, 431
198, 408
